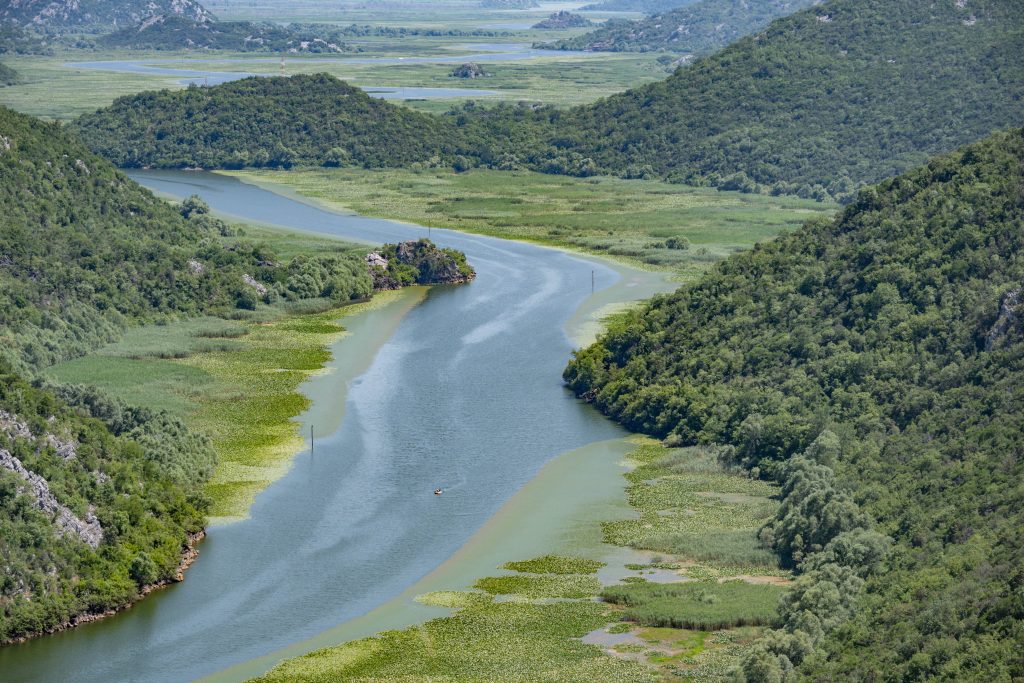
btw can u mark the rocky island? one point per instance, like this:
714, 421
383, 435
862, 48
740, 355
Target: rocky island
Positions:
420, 262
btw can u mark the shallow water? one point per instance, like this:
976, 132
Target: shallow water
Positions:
465, 395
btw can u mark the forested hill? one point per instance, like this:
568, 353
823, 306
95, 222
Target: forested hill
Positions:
846, 92
696, 29
871, 364
264, 122
58, 15
174, 32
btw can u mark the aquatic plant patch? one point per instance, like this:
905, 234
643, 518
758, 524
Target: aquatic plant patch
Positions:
697, 605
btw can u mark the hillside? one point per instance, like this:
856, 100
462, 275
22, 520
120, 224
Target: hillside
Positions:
276, 122
699, 28
821, 101
174, 32
645, 6
870, 365
15, 40
8, 76
58, 15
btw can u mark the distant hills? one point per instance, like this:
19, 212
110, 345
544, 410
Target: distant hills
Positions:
699, 28
562, 20
57, 15
871, 365
176, 32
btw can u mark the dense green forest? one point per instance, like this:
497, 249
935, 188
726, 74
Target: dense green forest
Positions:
174, 32
871, 365
698, 28
275, 122
8, 76
59, 15
818, 104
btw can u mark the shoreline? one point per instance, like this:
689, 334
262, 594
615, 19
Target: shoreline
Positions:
189, 555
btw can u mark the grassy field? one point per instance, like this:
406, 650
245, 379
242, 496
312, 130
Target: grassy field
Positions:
631, 220
236, 380
682, 616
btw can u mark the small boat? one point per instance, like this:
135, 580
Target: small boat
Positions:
438, 492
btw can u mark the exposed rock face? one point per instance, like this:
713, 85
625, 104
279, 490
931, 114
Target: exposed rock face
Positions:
1011, 317
563, 20
469, 70
260, 288
57, 14
417, 263
375, 260
67, 522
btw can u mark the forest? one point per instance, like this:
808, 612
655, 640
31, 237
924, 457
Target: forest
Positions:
870, 365
264, 122
699, 28
817, 105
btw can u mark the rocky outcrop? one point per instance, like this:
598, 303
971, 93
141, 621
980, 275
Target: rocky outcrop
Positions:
563, 20
87, 530
260, 288
1011, 317
469, 70
418, 262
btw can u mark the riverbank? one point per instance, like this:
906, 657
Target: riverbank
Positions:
574, 509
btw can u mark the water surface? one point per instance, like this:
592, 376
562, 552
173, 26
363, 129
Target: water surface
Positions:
465, 395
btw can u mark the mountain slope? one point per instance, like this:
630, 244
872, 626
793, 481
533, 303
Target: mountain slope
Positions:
850, 92
886, 347
56, 15
264, 122
175, 32
698, 28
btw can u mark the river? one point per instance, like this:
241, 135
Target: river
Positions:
465, 395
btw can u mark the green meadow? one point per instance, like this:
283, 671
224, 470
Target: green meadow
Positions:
235, 380
645, 222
